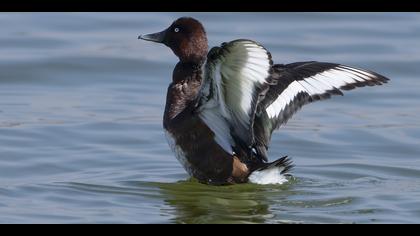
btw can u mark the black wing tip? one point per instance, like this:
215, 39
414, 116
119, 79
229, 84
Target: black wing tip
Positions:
377, 79
335, 91
374, 78
374, 81
382, 78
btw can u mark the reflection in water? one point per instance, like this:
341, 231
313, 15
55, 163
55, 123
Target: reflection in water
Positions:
197, 203
191, 202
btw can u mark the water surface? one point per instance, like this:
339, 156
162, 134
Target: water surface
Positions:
81, 140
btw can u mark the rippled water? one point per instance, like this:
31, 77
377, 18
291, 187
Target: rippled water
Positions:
81, 103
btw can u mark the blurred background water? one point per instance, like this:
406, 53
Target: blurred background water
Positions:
81, 140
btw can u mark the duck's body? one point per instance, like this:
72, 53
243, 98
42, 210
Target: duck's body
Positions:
222, 106
190, 138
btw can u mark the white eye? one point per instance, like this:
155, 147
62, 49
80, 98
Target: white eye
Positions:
176, 30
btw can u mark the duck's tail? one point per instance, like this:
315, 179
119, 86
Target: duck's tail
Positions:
272, 173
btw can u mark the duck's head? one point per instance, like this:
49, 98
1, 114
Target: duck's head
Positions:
186, 37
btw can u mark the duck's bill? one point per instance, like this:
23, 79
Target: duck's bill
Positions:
156, 37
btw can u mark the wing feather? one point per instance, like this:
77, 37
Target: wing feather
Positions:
300, 83
239, 70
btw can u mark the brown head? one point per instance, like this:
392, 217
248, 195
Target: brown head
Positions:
186, 37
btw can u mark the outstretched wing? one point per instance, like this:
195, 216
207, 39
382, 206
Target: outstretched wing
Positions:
235, 80
296, 84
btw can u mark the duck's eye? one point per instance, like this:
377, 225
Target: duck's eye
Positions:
176, 30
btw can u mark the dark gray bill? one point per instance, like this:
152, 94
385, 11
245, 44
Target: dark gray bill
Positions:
156, 37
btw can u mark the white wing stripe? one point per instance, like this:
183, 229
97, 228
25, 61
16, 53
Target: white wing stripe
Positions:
274, 107
285, 98
295, 89
308, 88
362, 77
336, 83
355, 75
360, 71
320, 84
339, 77
325, 83
344, 76
350, 75
291, 91
317, 85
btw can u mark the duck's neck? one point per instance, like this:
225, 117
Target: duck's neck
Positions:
186, 71
182, 93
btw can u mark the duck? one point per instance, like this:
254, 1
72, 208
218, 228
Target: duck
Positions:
223, 104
